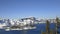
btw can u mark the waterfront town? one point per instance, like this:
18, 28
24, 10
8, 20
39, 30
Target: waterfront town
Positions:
22, 22
18, 22
28, 23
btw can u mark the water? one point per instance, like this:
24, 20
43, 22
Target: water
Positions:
33, 31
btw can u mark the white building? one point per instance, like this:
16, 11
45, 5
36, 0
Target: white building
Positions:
2, 25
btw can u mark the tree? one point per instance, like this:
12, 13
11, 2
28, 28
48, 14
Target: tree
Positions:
47, 27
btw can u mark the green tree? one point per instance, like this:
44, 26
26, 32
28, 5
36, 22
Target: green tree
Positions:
47, 26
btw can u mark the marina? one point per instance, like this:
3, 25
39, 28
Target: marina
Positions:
32, 24
29, 16
24, 28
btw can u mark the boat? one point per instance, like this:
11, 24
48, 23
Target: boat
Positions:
24, 28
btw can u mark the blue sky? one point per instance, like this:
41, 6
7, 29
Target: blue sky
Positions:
26, 8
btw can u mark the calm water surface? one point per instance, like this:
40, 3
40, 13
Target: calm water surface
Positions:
40, 27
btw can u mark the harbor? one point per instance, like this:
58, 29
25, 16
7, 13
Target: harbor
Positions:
29, 16
48, 26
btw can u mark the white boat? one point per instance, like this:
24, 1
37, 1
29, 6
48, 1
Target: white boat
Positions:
24, 28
